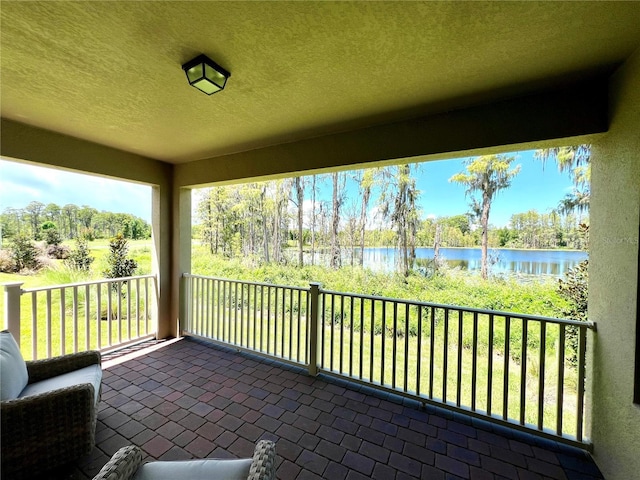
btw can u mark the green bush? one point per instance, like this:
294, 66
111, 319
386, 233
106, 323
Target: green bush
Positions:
24, 254
118, 264
79, 258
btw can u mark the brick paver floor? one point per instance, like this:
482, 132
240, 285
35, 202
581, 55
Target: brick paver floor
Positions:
188, 399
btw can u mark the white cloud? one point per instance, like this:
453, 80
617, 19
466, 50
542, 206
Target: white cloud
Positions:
22, 183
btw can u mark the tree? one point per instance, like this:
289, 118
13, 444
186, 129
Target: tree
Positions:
299, 186
69, 212
577, 161
366, 180
79, 258
119, 265
24, 253
488, 175
398, 203
34, 210
339, 180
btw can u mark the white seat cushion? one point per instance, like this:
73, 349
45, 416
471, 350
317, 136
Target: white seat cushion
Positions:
13, 369
207, 469
91, 374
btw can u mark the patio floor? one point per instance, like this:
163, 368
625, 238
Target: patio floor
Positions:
188, 399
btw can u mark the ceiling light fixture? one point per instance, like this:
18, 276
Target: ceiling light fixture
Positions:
205, 74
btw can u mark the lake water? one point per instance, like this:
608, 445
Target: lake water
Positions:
547, 263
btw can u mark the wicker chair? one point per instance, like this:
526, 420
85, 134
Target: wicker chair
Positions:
126, 464
46, 425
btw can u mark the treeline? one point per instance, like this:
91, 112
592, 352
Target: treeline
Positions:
264, 220
71, 222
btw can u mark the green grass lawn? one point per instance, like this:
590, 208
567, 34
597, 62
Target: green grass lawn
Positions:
61, 329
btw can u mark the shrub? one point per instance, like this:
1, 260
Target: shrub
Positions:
51, 235
79, 258
59, 252
7, 263
119, 265
25, 254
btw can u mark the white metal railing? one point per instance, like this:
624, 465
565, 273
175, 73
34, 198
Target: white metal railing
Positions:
101, 315
519, 370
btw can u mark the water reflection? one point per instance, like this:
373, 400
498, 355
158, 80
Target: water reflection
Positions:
546, 263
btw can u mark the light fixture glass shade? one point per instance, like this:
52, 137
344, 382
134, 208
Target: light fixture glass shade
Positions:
205, 74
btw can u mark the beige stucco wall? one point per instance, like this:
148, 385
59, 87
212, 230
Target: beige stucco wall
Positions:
25, 143
613, 276
515, 123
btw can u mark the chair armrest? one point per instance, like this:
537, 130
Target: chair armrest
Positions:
263, 466
52, 367
122, 466
46, 430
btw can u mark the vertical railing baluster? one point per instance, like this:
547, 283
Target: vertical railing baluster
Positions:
582, 350
49, 330
432, 344
109, 313
242, 315
98, 315
119, 286
63, 331
75, 319
147, 314
202, 292
129, 336
560, 386
290, 356
341, 349
445, 356
237, 329
474, 362
332, 333
383, 349
219, 326
255, 314
262, 318
139, 331
541, 361
394, 347
523, 371
282, 322
490, 365
268, 350
34, 325
361, 336
505, 378
298, 336
419, 351
351, 337
406, 347
372, 330
459, 376
210, 307
87, 313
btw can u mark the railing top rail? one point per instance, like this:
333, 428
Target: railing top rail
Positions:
246, 282
495, 313
90, 282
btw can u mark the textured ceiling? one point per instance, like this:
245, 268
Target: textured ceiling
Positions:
110, 72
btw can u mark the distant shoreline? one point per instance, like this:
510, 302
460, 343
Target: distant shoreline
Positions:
498, 248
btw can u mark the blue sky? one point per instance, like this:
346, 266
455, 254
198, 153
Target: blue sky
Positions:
534, 188
21, 183
537, 187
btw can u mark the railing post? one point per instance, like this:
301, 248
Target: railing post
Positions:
12, 293
314, 292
